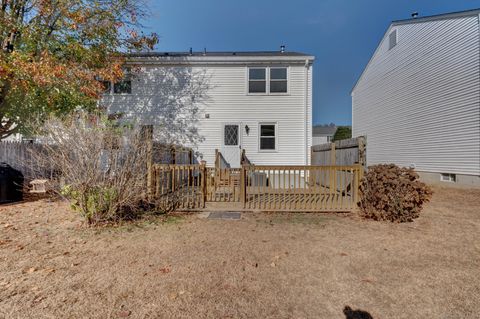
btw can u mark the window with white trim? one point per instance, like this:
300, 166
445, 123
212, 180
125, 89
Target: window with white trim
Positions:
123, 86
448, 178
267, 80
257, 80
278, 80
268, 137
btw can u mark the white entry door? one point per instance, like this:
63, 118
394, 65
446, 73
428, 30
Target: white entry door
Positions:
231, 143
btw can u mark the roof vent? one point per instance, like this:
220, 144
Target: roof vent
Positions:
282, 48
204, 51
415, 14
191, 51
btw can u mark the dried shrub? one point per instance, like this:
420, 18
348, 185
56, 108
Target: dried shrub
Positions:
101, 166
391, 193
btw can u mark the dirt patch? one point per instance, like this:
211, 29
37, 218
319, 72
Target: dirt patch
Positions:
262, 266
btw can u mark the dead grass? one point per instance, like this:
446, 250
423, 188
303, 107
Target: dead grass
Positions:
263, 266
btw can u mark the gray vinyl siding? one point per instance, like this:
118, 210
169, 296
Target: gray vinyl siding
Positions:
419, 103
228, 100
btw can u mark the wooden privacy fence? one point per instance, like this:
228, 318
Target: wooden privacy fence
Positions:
258, 188
20, 155
344, 152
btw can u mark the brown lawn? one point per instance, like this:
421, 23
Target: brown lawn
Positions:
263, 266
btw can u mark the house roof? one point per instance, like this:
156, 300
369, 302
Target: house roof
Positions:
443, 16
323, 130
451, 15
219, 54
219, 57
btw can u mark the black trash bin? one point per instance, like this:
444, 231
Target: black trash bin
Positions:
11, 184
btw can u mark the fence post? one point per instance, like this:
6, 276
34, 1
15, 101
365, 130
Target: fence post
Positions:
148, 136
333, 155
243, 186
173, 156
203, 170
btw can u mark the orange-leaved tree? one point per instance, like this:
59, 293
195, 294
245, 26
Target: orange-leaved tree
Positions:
54, 54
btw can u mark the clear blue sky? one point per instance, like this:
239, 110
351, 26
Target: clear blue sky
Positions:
342, 34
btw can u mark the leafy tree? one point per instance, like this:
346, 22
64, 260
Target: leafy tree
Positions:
342, 133
53, 54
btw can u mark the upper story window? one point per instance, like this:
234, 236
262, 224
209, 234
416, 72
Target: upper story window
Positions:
123, 86
278, 80
257, 80
392, 39
271, 80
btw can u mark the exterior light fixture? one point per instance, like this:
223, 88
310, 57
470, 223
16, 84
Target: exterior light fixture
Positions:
247, 129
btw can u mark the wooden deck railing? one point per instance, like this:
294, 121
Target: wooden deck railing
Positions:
180, 184
259, 188
301, 188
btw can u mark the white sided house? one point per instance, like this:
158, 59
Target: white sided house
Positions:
418, 100
260, 102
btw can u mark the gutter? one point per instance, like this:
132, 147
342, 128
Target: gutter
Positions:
307, 67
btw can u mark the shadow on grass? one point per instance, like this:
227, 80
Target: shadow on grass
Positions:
356, 314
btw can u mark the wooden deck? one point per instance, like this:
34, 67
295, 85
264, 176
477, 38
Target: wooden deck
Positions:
259, 188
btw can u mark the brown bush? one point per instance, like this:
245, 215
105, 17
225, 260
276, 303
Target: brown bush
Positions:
391, 193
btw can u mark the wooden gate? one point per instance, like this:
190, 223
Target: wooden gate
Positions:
258, 188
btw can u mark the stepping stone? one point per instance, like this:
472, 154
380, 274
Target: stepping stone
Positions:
225, 215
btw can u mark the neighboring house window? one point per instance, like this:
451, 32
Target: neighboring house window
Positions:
448, 178
268, 137
278, 80
257, 80
329, 138
392, 39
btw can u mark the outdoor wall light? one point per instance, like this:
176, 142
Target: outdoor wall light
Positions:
247, 129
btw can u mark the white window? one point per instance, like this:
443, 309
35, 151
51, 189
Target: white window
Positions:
278, 80
267, 80
257, 80
123, 86
448, 178
268, 136
392, 39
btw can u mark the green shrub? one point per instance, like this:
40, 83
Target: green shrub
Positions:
391, 193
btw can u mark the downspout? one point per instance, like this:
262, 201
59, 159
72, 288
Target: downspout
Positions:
307, 64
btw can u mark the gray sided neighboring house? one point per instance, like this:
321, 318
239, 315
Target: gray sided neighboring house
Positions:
322, 134
418, 100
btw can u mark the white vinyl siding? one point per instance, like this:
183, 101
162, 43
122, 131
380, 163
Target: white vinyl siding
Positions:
227, 101
420, 103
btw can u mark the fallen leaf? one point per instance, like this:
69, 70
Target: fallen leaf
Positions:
343, 254
369, 280
181, 292
172, 296
124, 313
272, 264
31, 270
165, 270
49, 270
